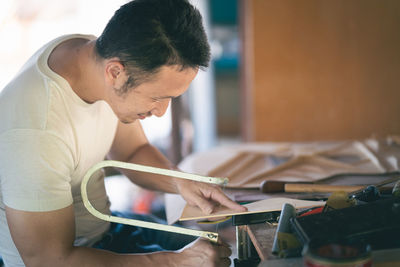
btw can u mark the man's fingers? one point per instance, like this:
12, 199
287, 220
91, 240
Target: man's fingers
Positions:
207, 197
224, 251
205, 205
220, 197
207, 253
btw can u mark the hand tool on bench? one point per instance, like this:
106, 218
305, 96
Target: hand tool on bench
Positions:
270, 186
278, 186
369, 193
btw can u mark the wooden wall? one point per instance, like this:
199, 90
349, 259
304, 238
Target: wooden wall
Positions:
320, 69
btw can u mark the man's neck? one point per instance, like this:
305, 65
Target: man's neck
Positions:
75, 61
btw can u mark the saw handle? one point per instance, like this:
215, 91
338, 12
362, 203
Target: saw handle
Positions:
279, 186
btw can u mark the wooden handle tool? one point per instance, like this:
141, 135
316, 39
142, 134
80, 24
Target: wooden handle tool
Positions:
278, 186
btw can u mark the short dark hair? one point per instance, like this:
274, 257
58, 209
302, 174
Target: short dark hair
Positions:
148, 34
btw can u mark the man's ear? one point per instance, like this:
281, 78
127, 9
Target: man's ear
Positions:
114, 72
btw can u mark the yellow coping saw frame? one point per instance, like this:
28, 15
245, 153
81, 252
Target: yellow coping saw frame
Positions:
142, 168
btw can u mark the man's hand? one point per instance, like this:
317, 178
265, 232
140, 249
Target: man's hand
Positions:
46, 239
205, 196
203, 253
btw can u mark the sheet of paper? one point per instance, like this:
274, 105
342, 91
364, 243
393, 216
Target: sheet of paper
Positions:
266, 205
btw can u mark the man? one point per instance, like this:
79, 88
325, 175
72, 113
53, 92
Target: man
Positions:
77, 100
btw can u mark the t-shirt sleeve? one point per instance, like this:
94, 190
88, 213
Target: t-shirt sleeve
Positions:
35, 169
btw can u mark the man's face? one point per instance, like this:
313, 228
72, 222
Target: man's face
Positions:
152, 97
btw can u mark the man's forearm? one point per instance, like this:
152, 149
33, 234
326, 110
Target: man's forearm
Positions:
84, 256
151, 156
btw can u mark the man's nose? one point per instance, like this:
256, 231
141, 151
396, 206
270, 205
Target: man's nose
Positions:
161, 108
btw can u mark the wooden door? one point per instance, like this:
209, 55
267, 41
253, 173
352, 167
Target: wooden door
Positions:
320, 69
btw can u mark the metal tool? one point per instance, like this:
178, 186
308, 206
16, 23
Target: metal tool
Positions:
339, 200
246, 252
285, 242
136, 167
378, 185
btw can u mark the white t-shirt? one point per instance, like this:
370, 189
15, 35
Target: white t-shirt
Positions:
49, 138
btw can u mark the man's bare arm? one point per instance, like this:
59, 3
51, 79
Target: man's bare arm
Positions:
131, 145
46, 239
